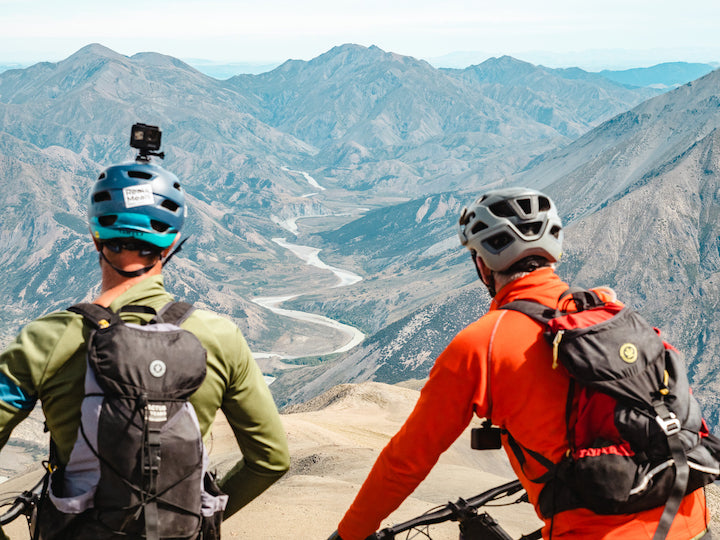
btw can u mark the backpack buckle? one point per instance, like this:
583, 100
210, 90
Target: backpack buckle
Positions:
670, 425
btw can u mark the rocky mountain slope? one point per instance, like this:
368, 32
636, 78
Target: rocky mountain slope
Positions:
388, 122
645, 209
639, 197
568, 100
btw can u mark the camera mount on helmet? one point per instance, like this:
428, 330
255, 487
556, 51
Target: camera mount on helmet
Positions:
146, 139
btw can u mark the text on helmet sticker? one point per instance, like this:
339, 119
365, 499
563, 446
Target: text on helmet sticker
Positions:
138, 196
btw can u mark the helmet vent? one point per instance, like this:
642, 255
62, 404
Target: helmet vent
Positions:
101, 196
555, 231
159, 226
102, 175
499, 241
466, 216
544, 203
140, 174
176, 185
530, 229
477, 227
526, 205
502, 209
170, 205
107, 221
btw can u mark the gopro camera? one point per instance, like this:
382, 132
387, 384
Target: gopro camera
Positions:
485, 438
146, 139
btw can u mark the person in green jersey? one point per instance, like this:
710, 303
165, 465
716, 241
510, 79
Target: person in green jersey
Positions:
136, 213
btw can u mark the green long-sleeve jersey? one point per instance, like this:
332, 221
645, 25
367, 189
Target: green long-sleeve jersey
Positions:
47, 361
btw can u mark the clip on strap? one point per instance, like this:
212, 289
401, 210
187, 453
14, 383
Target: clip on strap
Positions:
670, 425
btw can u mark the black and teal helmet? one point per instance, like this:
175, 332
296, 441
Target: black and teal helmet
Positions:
137, 200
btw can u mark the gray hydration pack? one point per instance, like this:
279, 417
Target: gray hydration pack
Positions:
139, 466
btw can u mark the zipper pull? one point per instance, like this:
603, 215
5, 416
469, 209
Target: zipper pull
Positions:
556, 344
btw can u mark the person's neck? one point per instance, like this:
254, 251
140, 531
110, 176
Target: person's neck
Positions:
113, 285
502, 280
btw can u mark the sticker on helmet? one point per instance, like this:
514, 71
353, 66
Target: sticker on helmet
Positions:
138, 196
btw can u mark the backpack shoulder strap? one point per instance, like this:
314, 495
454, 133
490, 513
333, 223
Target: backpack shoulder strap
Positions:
519, 451
98, 316
534, 310
174, 313
583, 298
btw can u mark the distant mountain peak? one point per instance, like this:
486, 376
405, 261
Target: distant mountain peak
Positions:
507, 59
350, 47
510, 63
361, 55
160, 60
96, 49
349, 52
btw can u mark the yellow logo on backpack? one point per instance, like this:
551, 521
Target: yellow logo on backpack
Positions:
628, 353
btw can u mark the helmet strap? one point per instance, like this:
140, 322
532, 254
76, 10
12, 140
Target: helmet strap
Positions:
490, 283
140, 271
144, 270
125, 273
175, 251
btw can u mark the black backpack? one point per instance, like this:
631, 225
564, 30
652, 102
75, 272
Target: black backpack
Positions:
138, 468
636, 434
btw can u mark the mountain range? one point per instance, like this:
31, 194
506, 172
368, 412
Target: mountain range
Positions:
667, 74
235, 145
368, 156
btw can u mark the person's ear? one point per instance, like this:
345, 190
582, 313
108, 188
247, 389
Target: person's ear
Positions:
164, 253
483, 269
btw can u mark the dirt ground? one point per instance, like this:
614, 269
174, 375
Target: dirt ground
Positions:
334, 440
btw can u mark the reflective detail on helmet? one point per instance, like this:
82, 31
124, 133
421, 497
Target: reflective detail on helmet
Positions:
506, 225
130, 225
137, 200
15, 396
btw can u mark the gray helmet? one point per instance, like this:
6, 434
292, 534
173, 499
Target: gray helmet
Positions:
509, 224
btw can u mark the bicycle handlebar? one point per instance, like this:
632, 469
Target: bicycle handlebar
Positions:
23, 503
451, 511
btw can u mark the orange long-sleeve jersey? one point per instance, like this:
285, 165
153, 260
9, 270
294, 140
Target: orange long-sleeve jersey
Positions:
500, 367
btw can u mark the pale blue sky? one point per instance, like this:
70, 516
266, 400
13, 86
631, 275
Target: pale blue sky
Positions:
275, 30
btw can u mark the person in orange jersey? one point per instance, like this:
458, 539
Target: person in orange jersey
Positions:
500, 367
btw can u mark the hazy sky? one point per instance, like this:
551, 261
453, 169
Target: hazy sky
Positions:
275, 30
